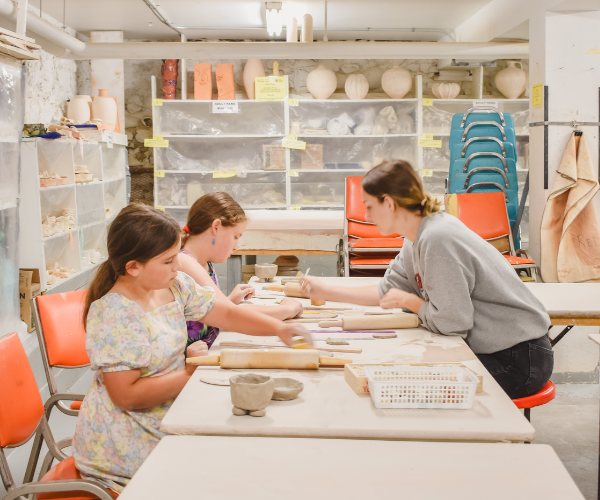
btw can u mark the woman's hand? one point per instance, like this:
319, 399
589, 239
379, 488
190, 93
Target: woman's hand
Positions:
289, 330
401, 299
241, 292
313, 288
198, 348
295, 307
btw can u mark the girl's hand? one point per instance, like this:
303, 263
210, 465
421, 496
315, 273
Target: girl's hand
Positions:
289, 330
313, 288
396, 298
198, 348
241, 292
295, 307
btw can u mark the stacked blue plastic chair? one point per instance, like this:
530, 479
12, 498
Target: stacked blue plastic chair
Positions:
483, 156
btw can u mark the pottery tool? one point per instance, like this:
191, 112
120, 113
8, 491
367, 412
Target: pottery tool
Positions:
302, 282
328, 308
389, 311
291, 289
331, 341
352, 331
242, 344
318, 315
266, 297
396, 321
298, 359
302, 320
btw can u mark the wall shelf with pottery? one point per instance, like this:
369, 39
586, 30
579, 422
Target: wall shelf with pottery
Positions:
63, 227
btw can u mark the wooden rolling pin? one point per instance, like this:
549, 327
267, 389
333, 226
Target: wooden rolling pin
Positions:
242, 344
300, 359
291, 289
395, 321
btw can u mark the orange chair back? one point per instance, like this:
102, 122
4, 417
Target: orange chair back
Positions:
21, 406
355, 211
62, 327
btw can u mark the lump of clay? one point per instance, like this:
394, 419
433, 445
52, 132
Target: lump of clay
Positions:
251, 393
385, 120
340, 125
364, 118
286, 389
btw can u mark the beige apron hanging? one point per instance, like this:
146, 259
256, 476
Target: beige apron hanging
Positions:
570, 236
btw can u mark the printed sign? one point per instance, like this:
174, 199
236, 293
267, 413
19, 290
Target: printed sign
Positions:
225, 107
270, 88
537, 95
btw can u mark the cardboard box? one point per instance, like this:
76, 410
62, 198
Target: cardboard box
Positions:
312, 157
355, 377
29, 287
273, 157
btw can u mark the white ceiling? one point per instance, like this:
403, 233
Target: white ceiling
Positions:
134, 17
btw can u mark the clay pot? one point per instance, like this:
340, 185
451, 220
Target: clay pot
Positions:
265, 271
251, 393
105, 108
321, 82
78, 110
396, 82
252, 70
286, 389
357, 87
168, 72
445, 90
511, 81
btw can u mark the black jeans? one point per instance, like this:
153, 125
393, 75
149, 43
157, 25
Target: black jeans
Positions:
523, 369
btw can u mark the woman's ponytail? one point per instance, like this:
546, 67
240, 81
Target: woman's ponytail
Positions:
104, 280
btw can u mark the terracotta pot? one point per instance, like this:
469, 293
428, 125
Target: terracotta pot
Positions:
511, 81
321, 82
252, 70
445, 90
357, 87
168, 71
105, 108
78, 110
396, 82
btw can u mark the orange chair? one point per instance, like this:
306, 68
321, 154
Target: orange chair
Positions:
365, 249
22, 414
485, 214
546, 395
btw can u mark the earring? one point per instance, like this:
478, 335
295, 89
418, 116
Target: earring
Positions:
213, 242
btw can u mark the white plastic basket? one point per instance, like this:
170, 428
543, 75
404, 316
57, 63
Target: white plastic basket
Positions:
405, 386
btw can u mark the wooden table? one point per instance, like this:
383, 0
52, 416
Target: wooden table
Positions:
595, 337
234, 468
328, 408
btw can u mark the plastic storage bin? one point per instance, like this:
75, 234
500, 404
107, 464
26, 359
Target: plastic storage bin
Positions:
405, 386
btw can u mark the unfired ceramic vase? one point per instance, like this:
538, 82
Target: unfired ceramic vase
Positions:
306, 35
251, 393
265, 272
445, 90
291, 30
286, 389
253, 69
78, 110
321, 82
357, 87
511, 81
105, 108
396, 82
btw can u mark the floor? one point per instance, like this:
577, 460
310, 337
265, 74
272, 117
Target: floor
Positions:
569, 424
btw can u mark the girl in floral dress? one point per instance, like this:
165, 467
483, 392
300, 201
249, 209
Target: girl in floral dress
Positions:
215, 224
135, 316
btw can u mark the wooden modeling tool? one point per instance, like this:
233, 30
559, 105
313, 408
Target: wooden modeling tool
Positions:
396, 321
250, 345
353, 331
328, 308
292, 359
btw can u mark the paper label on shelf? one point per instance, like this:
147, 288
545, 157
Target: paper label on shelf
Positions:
157, 137
294, 207
484, 103
426, 143
159, 173
428, 137
162, 209
157, 102
293, 144
427, 102
156, 143
427, 172
292, 173
292, 102
224, 174
270, 88
225, 107
108, 138
537, 95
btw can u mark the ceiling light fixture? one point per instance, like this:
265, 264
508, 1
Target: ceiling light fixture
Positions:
274, 18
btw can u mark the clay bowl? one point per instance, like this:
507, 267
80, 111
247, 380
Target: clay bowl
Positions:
251, 392
265, 271
286, 389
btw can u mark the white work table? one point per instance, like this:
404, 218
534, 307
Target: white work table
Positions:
231, 468
329, 408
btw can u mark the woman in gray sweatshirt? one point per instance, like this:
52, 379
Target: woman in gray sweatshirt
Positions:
454, 280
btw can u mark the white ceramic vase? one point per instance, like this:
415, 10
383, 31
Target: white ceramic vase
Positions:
445, 90
306, 34
396, 82
252, 70
105, 108
357, 87
321, 82
78, 110
511, 81
291, 30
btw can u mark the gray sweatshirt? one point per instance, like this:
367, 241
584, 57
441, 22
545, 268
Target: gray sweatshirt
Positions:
469, 288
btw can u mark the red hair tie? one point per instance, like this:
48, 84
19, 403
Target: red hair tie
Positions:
186, 229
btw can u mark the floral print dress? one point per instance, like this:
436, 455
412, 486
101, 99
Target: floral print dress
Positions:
111, 444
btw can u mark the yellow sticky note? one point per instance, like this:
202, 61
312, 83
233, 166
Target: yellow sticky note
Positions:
427, 102
270, 88
159, 173
224, 174
157, 102
427, 172
292, 173
155, 143
294, 207
592, 52
157, 137
537, 95
424, 143
162, 209
428, 137
292, 102
293, 144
